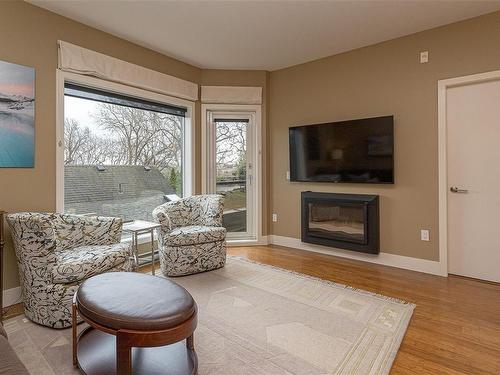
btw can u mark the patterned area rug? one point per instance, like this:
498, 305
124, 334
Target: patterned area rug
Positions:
257, 319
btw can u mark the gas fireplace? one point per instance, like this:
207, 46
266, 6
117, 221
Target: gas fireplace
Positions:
346, 221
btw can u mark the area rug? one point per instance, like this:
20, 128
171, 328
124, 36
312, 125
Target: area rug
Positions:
261, 320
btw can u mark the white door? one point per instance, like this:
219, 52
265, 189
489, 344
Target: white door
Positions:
232, 169
473, 147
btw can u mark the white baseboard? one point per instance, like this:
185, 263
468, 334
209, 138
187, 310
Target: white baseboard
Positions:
264, 240
11, 296
386, 259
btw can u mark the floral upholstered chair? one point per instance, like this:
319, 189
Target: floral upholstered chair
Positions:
192, 237
56, 253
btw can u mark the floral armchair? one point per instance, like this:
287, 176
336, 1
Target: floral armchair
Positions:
56, 253
192, 237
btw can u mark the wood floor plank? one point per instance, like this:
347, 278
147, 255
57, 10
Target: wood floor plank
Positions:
408, 364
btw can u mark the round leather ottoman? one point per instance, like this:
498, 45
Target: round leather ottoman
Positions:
137, 325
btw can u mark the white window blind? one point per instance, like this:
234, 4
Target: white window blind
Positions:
79, 60
231, 95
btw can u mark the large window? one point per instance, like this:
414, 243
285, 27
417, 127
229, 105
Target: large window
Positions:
122, 155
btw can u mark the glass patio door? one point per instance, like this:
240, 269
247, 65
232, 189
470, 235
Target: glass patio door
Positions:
230, 170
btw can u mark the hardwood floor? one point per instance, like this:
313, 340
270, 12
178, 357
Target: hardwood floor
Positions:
455, 328
12, 311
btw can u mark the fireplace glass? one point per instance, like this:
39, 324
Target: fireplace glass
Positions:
342, 222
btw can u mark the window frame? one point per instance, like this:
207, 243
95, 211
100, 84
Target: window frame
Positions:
188, 152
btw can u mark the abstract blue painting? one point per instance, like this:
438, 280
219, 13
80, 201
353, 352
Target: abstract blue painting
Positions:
17, 116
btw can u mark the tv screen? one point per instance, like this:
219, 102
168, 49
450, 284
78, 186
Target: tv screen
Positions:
346, 151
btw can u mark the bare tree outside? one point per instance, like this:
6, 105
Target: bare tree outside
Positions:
82, 147
127, 136
131, 136
142, 137
128, 141
119, 160
230, 138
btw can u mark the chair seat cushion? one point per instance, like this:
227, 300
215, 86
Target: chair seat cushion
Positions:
195, 234
82, 262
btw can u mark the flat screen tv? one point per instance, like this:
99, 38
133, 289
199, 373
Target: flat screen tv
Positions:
354, 151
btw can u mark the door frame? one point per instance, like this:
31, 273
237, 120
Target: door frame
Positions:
256, 113
443, 86
211, 173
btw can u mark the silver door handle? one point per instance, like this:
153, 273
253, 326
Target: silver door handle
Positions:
454, 189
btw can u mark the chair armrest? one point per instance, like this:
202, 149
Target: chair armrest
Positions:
106, 230
174, 214
34, 240
76, 230
194, 210
209, 209
161, 215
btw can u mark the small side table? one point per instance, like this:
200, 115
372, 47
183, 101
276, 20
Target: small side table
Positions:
136, 228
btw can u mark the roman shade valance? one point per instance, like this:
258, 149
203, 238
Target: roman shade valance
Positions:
231, 95
79, 60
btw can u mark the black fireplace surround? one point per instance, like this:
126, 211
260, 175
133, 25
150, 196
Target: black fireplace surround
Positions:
345, 221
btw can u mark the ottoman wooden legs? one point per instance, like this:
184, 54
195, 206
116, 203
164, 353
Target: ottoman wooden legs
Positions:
100, 350
74, 324
124, 352
123, 355
190, 342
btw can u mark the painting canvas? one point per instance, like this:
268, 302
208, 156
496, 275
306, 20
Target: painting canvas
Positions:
17, 116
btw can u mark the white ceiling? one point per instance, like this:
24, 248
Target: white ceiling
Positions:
265, 35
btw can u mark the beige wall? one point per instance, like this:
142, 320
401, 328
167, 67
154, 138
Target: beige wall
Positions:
28, 36
255, 78
377, 80
383, 79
